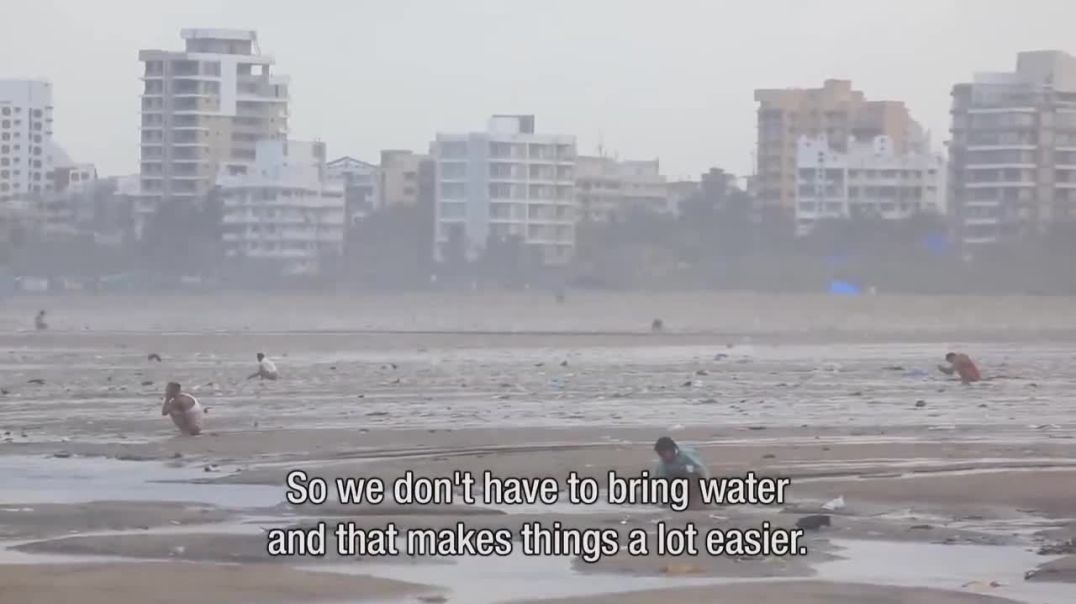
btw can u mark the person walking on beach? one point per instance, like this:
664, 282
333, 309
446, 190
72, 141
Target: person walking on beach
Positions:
39, 321
962, 365
184, 409
266, 369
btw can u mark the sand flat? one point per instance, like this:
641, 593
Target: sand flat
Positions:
167, 583
800, 592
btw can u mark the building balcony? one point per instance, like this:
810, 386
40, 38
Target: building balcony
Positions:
1000, 184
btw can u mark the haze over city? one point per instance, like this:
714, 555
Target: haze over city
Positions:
671, 80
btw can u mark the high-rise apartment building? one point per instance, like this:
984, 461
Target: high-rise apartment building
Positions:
204, 109
868, 179
25, 137
606, 187
835, 111
1013, 149
505, 183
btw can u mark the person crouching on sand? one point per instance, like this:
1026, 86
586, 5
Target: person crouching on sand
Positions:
675, 461
186, 413
962, 365
266, 369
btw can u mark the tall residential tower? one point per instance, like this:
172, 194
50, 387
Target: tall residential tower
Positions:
25, 137
1013, 153
204, 109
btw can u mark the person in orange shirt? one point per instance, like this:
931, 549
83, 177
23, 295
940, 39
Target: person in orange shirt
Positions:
962, 365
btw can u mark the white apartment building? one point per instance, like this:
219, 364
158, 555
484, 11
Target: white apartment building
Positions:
204, 109
502, 183
869, 178
284, 209
1013, 149
25, 135
606, 187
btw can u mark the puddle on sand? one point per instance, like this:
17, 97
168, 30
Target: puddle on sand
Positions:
949, 567
30, 480
494, 580
961, 568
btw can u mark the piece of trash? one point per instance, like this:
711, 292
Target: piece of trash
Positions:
920, 527
813, 522
210, 468
834, 504
1059, 549
377, 414
981, 585
702, 372
153, 356
687, 384
433, 599
62, 454
38, 381
657, 325
564, 363
147, 383
769, 456
893, 368
720, 356
681, 568
920, 403
708, 401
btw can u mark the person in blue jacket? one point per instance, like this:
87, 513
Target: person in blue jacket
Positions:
675, 461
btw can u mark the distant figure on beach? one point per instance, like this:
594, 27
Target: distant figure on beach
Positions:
186, 413
39, 321
266, 369
657, 326
962, 365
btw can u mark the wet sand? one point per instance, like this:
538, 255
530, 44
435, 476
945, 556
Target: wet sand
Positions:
167, 583
824, 392
800, 592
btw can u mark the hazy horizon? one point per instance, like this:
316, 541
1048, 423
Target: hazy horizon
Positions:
674, 83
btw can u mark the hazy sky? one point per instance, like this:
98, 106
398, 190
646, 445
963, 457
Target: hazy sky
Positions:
671, 79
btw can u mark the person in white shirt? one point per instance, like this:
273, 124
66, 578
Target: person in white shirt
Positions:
184, 409
266, 369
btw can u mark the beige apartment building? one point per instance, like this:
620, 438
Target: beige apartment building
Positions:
835, 111
204, 110
606, 187
1012, 155
400, 177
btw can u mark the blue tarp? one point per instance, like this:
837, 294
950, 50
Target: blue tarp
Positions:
843, 288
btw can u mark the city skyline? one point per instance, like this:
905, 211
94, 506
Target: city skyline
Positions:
369, 76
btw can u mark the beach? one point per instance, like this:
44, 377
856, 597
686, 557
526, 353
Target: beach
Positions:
949, 491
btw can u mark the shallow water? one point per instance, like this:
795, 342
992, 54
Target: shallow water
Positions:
30, 479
